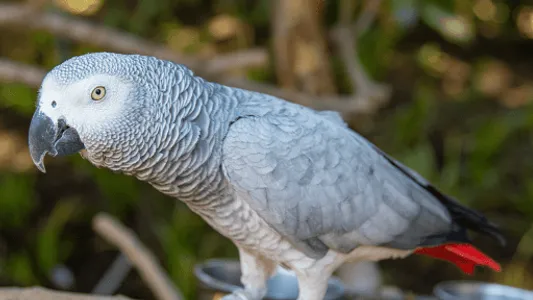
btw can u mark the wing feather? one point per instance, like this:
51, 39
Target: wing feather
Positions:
323, 186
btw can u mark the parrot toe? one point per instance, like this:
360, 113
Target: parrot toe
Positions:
239, 294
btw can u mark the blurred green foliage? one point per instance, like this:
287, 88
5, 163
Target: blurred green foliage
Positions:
468, 134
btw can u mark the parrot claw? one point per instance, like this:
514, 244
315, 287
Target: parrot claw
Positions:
239, 294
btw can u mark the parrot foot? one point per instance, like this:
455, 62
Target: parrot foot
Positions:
255, 273
240, 294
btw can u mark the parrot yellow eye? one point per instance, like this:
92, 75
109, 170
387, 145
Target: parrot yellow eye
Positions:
98, 93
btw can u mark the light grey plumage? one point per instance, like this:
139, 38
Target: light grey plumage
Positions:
322, 185
286, 183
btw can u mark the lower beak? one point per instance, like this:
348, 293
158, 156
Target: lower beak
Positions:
45, 136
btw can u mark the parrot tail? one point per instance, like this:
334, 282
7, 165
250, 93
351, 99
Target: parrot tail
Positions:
454, 246
465, 256
463, 216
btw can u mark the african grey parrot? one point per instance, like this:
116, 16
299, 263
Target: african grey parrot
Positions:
288, 185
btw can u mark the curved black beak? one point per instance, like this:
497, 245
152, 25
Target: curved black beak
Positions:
45, 136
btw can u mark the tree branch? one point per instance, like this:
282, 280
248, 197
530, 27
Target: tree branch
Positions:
13, 72
299, 47
107, 38
39, 293
32, 76
145, 262
366, 18
344, 105
114, 40
345, 36
114, 276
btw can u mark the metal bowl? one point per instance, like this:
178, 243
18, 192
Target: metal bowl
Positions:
473, 290
220, 277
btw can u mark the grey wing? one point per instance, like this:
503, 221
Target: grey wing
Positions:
322, 186
333, 116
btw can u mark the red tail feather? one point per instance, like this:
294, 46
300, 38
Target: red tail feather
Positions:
464, 256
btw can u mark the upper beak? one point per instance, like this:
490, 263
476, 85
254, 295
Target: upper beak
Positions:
47, 136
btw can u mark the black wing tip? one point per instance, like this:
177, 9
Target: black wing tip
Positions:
475, 221
463, 217
459, 234
467, 219
492, 230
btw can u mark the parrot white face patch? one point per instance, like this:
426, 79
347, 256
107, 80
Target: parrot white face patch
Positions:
87, 105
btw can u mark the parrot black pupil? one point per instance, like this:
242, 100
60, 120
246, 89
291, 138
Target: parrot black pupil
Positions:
98, 91
54, 104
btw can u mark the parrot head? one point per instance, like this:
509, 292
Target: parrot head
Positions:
101, 105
